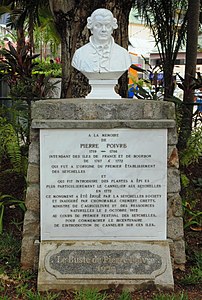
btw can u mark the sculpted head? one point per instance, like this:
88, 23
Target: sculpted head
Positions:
101, 58
101, 24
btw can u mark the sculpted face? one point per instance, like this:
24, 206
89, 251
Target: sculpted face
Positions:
102, 29
101, 55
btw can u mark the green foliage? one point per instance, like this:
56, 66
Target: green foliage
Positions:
5, 298
16, 115
193, 150
198, 183
9, 146
46, 34
16, 66
9, 251
8, 200
168, 23
49, 69
192, 217
198, 259
26, 293
171, 297
16, 163
145, 90
125, 295
89, 294
195, 276
188, 156
17, 69
35, 88
192, 85
24, 276
184, 180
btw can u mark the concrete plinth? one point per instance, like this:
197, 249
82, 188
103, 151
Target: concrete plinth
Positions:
95, 264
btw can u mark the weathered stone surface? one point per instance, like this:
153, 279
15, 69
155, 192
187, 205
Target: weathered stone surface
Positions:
130, 264
103, 124
125, 112
87, 113
34, 152
173, 180
172, 136
33, 173
152, 110
31, 224
82, 109
173, 159
172, 252
177, 206
175, 228
67, 114
168, 110
29, 253
32, 198
179, 252
30, 249
34, 135
174, 205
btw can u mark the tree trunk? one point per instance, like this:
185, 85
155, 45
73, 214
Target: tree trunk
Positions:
70, 19
121, 10
20, 38
168, 79
190, 71
31, 33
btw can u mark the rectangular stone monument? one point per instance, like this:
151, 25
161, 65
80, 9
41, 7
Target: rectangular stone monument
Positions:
108, 192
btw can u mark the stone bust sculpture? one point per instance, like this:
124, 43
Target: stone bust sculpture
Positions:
101, 54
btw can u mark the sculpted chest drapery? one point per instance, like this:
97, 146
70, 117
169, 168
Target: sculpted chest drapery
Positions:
92, 58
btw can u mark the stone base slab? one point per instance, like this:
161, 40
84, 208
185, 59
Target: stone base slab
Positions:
134, 265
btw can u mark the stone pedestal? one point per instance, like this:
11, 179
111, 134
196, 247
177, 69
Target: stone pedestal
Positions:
74, 265
59, 258
104, 88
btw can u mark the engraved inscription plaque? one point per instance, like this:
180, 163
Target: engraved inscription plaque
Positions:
131, 263
103, 184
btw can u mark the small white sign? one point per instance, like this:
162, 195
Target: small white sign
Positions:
103, 184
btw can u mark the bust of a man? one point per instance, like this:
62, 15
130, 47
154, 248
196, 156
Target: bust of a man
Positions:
101, 54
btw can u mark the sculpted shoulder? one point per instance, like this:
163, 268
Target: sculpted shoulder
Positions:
84, 48
82, 59
124, 61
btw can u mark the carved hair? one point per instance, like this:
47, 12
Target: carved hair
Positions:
104, 13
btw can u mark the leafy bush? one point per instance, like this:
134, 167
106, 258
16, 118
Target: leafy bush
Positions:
192, 217
195, 276
89, 294
16, 164
9, 251
10, 146
8, 200
125, 295
171, 297
194, 148
189, 156
17, 69
49, 69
